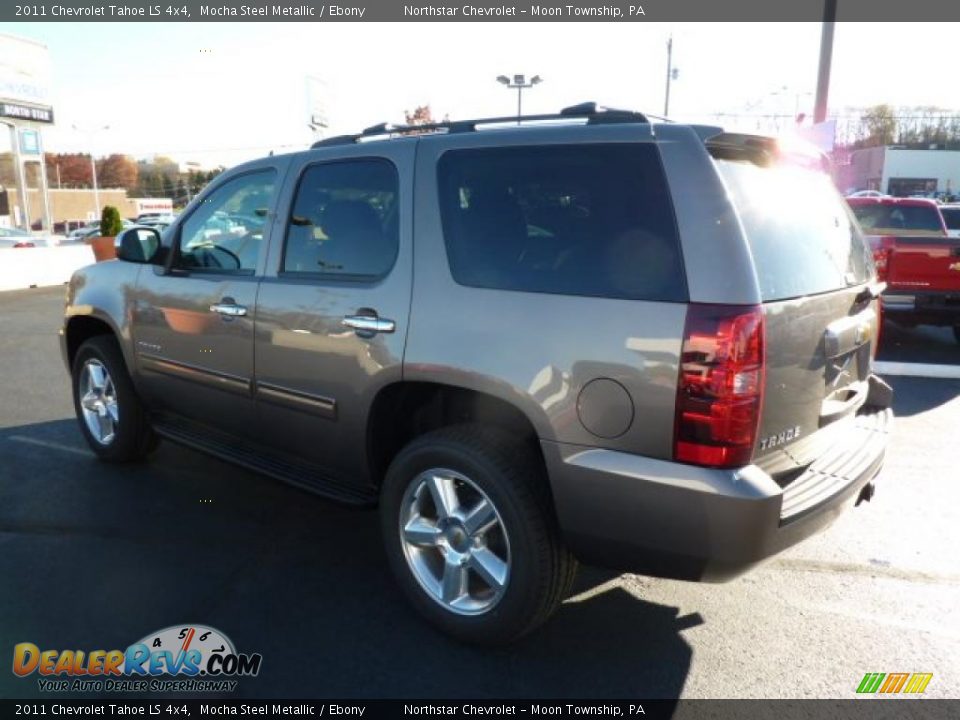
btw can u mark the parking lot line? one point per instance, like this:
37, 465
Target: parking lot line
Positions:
927, 370
51, 445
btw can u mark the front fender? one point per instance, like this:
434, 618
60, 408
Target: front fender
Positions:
104, 292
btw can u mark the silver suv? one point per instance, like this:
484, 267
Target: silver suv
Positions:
584, 336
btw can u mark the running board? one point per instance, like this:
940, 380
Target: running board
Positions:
303, 475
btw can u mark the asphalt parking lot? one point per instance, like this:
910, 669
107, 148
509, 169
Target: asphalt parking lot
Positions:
95, 556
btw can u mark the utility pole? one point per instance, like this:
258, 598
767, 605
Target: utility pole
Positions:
96, 193
672, 74
826, 55
93, 164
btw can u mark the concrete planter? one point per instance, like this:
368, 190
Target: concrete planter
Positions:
103, 247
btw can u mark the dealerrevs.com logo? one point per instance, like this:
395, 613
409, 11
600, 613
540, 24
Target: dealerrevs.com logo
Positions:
180, 658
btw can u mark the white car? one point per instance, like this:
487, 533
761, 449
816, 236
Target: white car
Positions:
866, 193
92, 230
155, 218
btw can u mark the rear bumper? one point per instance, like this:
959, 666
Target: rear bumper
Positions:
638, 514
922, 308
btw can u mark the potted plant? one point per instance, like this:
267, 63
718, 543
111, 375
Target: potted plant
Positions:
110, 226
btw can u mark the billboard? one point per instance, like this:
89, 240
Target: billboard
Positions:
24, 72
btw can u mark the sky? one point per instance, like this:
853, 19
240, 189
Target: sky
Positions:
220, 93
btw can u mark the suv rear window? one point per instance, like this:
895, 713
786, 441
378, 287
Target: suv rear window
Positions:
568, 219
802, 236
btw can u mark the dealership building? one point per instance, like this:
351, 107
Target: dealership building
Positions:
25, 110
69, 209
901, 172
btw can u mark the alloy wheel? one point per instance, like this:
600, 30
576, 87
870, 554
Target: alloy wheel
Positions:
98, 401
455, 542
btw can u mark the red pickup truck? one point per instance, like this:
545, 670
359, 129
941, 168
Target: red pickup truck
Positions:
915, 257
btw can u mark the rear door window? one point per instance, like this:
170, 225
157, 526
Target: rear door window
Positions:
802, 236
584, 219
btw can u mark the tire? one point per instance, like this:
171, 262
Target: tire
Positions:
115, 404
480, 465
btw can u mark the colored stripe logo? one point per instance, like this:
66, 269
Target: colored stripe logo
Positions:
893, 683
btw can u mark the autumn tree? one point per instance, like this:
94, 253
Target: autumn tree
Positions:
158, 176
422, 115
117, 171
880, 123
70, 170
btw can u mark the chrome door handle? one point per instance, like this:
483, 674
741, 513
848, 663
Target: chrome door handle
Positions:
229, 309
368, 324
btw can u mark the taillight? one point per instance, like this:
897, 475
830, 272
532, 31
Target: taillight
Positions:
882, 247
720, 389
24, 244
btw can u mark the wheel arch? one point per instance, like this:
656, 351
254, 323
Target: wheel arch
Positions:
80, 328
405, 410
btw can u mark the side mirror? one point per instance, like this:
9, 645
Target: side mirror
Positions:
138, 244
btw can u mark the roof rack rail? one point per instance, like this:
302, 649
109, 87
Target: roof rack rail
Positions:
593, 113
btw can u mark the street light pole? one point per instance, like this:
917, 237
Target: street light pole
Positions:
93, 166
826, 56
519, 82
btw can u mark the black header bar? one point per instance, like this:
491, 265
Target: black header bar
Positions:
476, 11
350, 709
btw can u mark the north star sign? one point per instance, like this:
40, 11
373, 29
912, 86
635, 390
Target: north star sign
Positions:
26, 112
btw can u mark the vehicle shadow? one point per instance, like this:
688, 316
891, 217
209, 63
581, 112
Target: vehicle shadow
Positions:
99, 556
921, 344
912, 396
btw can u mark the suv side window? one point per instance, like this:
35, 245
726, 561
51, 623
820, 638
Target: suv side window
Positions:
345, 220
586, 219
226, 232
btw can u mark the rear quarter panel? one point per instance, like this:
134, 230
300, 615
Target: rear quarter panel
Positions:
538, 351
719, 265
